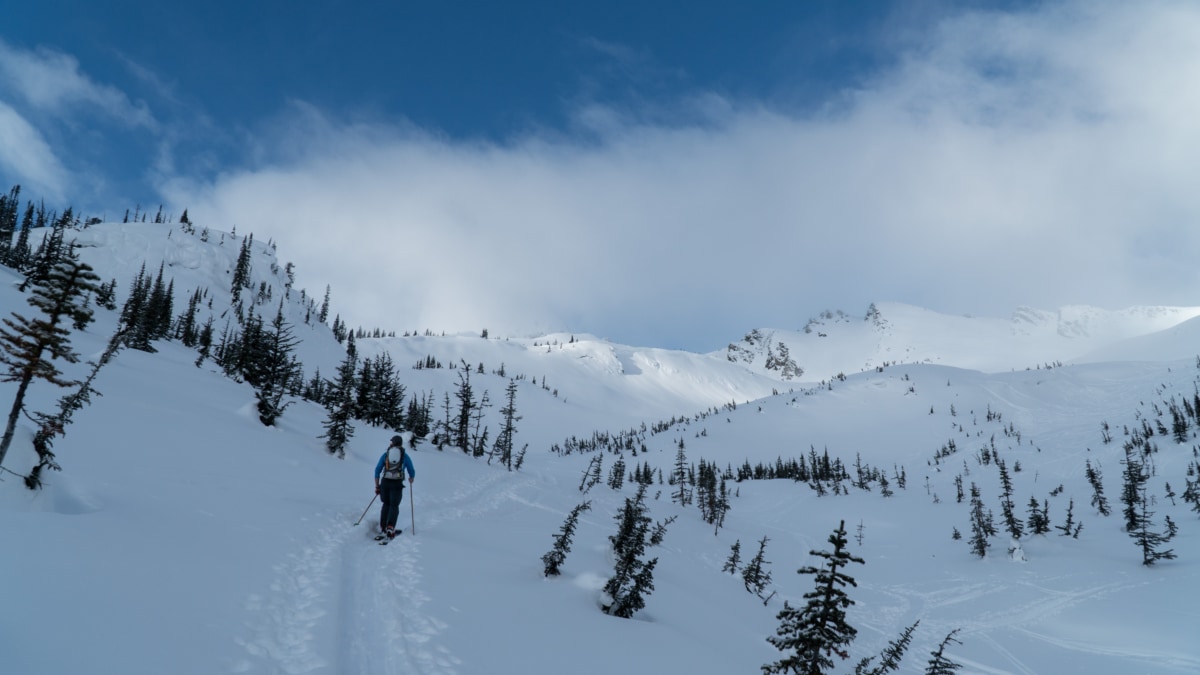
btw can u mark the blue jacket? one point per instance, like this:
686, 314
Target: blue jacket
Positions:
408, 466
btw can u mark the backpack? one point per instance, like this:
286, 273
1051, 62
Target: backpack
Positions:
393, 465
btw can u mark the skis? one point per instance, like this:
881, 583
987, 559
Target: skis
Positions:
383, 539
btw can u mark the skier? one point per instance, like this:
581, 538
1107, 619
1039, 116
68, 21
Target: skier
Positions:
391, 467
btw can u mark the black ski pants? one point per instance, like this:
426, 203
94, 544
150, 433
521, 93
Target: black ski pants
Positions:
391, 493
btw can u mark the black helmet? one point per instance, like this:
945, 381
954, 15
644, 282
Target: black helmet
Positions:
398, 441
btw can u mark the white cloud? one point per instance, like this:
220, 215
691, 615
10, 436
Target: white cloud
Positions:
50, 81
26, 155
1039, 158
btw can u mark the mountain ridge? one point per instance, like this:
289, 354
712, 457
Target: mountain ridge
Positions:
892, 333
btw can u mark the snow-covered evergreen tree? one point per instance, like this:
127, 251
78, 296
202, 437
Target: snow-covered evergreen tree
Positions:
339, 402
554, 559
633, 578
29, 347
810, 636
890, 657
755, 576
941, 664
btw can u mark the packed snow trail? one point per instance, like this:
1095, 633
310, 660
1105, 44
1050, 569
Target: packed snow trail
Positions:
342, 604
384, 628
286, 622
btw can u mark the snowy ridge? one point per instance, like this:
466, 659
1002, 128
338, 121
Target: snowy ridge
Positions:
892, 333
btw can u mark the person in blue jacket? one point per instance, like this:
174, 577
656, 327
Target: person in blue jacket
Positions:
389, 481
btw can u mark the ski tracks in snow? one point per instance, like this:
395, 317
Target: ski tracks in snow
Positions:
342, 604
285, 623
384, 628
1027, 605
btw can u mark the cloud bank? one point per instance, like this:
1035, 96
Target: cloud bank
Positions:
1039, 158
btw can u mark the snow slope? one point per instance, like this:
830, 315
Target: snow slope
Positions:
185, 537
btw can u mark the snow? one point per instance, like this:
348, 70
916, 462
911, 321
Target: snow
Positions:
184, 537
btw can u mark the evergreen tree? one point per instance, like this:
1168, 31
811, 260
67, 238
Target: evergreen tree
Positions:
981, 524
364, 399
679, 476
503, 448
479, 433
419, 417
890, 657
49, 426
159, 308
1096, 481
461, 430
591, 475
755, 576
324, 315
134, 311
1039, 521
1069, 525
633, 578
185, 327
710, 493
9, 205
29, 347
50, 251
241, 270
616, 474
1011, 521
1191, 493
811, 635
1132, 489
274, 367
734, 559
106, 295
204, 341
554, 559
339, 404
1148, 540
20, 253
941, 664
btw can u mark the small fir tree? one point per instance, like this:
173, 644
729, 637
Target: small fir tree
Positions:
981, 524
1148, 540
339, 404
890, 657
503, 447
1039, 522
734, 559
1096, 481
812, 635
941, 664
554, 559
755, 576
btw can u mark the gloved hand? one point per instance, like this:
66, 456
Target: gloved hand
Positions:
376, 488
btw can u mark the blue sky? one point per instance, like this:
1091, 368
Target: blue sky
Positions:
207, 73
661, 174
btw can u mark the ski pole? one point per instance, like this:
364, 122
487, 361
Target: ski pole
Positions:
412, 508
364, 515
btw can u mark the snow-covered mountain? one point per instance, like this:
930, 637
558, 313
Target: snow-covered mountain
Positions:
892, 333
183, 536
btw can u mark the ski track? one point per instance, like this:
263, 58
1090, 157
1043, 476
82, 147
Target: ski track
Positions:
377, 622
1043, 604
283, 623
